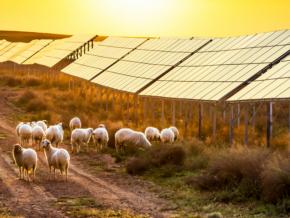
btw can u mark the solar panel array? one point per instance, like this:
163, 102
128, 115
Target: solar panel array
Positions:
274, 84
11, 50
146, 63
102, 56
60, 49
32, 48
221, 66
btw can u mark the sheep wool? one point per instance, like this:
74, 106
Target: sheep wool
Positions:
25, 133
80, 137
26, 160
75, 123
57, 158
152, 133
128, 136
175, 131
167, 136
55, 134
100, 137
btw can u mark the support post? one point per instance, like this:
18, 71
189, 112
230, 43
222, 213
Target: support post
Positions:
214, 122
144, 109
269, 123
246, 134
239, 115
173, 112
231, 124
136, 110
107, 100
254, 116
200, 113
289, 119
162, 113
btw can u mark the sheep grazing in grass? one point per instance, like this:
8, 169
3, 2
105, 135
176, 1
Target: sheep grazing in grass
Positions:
175, 131
57, 158
55, 134
152, 134
25, 133
80, 137
38, 135
75, 123
26, 160
167, 136
100, 137
42, 124
128, 136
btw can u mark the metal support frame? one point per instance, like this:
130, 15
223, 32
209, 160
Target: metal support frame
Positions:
269, 123
162, 113
231, 135
174, 108
214, 122
200, 117
246, 133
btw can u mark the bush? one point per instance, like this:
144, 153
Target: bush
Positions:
276, 179
136, 166
238, 169
32, 82
12, 82
167, 154
26, 97
36, 105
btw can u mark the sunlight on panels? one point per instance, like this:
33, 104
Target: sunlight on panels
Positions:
221, 66
32, 48
274, 84
147, 62
12, 50
102, 56
62, 48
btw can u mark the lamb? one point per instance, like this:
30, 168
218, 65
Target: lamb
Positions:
175, 131
57, 158
80, 136
75, 123
167, 136
37, 135
100, 137
42, 124
26, 160
128, 136
152, 133
55, 134
25, 133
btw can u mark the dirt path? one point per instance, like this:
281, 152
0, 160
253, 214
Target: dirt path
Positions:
36, 198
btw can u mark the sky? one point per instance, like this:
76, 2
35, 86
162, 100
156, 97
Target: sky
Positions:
170, 18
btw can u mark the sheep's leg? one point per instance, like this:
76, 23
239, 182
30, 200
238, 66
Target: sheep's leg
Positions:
54, 173
20, 172
34, 168
66, 173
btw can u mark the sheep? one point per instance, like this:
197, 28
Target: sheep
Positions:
37, 135
18, 127
26, 160
167, 136
80, 136
42, 124
101, 125
175, 131
128, 136
152, 133
75, 123
55, 134
100, 137
57, 158
25, 133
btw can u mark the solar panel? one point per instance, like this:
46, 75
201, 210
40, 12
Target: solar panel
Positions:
32, 48
60, 49
273, 84
102, 56
143, 65
4, 44
221, 66
11, 50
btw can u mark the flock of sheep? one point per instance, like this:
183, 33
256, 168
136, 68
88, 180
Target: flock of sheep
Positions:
49, 138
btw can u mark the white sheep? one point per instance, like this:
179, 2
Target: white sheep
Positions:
25, 133
75, 123
80, 137
57, 158
175, 131
18, 127
128, 136
152, 133
100, 137
26, 160
37, 135
55, 134
42, 124
167, 135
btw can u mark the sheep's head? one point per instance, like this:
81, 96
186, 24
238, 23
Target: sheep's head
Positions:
45, 144
17, 149
90, 130
45, 121
102, 126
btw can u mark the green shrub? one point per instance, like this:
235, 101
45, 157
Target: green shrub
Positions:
137, 165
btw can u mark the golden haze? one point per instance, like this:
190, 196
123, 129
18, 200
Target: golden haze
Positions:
146, 17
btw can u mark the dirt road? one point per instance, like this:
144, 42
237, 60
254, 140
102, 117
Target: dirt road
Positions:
36, 199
